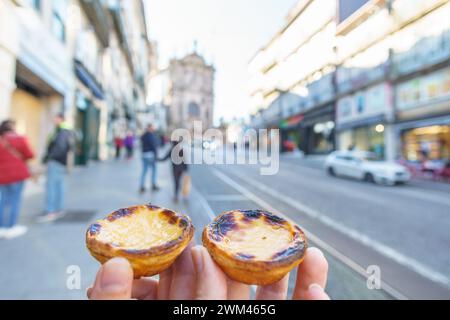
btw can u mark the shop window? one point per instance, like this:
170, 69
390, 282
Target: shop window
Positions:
368, 138
432, 143
321, 137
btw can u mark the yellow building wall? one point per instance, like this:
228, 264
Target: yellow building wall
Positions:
28, 112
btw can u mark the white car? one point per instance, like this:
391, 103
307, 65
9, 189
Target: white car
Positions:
365, 166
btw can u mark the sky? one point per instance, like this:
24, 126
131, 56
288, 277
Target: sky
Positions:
228, 33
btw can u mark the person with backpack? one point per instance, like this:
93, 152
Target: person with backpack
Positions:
56, 158
14, 154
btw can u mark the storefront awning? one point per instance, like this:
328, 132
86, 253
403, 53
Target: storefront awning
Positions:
88, 80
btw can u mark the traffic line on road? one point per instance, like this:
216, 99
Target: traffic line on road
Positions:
383, 249
206, 207
330, 249
226, 197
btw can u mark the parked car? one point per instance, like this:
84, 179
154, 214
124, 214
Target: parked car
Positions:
365, 166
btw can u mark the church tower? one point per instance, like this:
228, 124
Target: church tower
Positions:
191, 92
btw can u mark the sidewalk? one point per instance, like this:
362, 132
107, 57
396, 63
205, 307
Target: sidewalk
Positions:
35, 266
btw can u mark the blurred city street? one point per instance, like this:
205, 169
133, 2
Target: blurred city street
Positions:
36, 264
347, 100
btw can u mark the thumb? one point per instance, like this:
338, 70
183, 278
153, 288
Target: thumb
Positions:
114, 281
211, 281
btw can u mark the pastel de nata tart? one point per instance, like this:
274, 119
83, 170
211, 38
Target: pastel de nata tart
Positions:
254, 246
150, 237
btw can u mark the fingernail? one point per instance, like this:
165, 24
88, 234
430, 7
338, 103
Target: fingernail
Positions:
197, 258
315, 288
115, 275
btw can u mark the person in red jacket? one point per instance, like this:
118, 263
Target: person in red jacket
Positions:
14, 153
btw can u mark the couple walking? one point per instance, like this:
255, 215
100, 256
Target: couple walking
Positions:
149, 144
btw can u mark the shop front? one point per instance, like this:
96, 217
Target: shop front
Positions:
363, 121
87, 130
369, 137
425, 139
290, 133
88, 116
429, 142
423, 117
39, 79
318, 128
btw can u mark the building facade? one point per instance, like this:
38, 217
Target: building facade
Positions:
290, 66
191, 92
391, 55
86, 59
387, 89
36, 80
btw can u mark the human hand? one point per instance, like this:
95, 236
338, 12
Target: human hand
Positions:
195, 275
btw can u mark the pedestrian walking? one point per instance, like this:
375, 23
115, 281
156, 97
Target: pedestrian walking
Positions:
149, 145
14, 154
179, 169
56, 158
118, 144
129, 144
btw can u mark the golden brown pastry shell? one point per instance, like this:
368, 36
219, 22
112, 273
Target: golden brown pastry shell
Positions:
247, 269
145, 262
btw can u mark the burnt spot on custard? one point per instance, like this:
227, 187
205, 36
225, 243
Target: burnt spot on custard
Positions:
290, 251
221, 226
273, 219
183, 223
171, 216
244, 256
250, 215
94, 229
120, 214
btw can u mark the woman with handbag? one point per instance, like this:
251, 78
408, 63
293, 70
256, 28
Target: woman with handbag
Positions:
14, 154
179, 169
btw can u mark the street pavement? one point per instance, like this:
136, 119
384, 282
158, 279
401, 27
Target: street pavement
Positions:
402, 230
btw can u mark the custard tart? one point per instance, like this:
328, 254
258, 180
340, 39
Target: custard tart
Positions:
150, 237
254, 246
